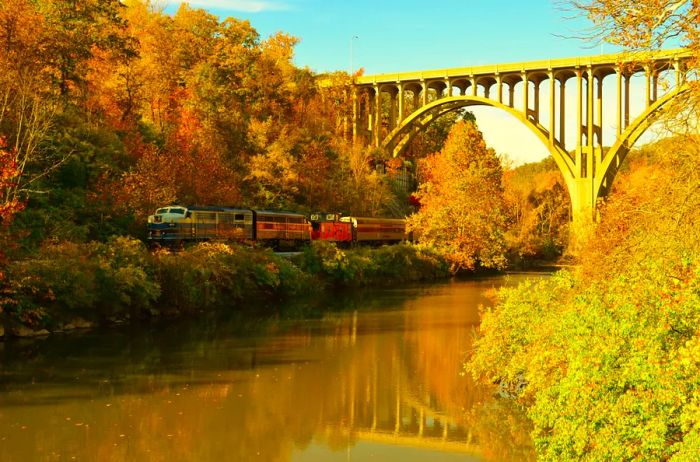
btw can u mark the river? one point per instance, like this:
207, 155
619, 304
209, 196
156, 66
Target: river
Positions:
372, 376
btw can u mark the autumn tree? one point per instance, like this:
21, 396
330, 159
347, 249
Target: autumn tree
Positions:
9, 177
538, 209
433, 137
462, 201
28, 102
112, 108
646, 25
610, 368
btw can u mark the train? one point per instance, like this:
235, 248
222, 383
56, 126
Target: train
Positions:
175, 225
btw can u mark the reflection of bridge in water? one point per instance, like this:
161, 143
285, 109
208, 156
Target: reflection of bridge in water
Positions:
390, 404
411, 424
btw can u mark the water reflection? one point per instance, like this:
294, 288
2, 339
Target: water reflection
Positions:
378, 378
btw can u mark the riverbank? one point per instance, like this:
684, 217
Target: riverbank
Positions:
67, 286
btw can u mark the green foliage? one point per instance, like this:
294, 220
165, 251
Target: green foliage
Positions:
119, 280
218, 275
125, 278
367, 266
606, 358
92, 281
608, 372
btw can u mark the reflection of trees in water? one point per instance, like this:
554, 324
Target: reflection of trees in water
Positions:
199, 392
436, 353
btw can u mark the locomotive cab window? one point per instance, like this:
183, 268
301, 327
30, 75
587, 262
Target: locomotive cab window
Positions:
239, 217
178, 211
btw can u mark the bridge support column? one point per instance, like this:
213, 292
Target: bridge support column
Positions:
618, 75
526, 94
647, 75
562, 112
552, 105
583, 210
377, 125
392, 111
401, 97
511, 95
499, 88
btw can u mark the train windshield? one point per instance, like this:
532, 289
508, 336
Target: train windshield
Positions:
177, 210
323, 217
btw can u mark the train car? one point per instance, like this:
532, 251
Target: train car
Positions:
328, 227
177, 224
281, 229
376, 230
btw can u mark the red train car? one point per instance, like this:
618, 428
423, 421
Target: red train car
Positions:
357, 230
328, 227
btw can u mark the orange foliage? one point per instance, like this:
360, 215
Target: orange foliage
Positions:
463, 210
190, 170
9, 202
647, 24
9, 179
538, 208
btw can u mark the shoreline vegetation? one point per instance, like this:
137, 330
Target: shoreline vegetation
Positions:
604, 356
68, 286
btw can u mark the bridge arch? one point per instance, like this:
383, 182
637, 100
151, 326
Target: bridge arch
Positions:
611, 162
608, 164
589, 169
399, 138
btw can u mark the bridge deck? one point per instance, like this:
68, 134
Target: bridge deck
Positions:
543, 66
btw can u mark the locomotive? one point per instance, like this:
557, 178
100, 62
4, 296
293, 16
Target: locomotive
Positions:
174, 225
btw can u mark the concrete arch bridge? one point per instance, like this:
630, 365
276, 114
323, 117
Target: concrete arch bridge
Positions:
389, 110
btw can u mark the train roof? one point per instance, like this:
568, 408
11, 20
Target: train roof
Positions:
277, 212
211, 208
214, 208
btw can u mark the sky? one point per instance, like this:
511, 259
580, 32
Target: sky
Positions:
399, 36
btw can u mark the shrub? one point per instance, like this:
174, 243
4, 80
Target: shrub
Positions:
57, 285
606, 359
94, 281
125, 276
220, 275
368, 266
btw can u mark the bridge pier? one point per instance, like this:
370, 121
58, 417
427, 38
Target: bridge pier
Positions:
583, 200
